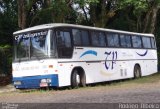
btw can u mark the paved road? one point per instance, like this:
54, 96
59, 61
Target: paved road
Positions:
121, 93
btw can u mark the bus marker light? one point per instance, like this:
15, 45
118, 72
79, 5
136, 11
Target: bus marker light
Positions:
50, 66
49, 80
43, 80
17, 83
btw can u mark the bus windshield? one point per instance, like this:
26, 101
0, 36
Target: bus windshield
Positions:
33, 45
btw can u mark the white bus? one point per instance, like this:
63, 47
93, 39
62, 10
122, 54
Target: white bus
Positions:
73, 55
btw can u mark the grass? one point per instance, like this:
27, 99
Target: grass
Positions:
143, 80
43, 90
151, 79
148, 79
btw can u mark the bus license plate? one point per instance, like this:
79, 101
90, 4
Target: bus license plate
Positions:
43, 84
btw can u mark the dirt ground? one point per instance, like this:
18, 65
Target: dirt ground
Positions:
120, 93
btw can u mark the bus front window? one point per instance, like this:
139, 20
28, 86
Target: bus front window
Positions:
33, 46
39, 45
22, 43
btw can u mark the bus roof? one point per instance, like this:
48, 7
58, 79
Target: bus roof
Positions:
52, 25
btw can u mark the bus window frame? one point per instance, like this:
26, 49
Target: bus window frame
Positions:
119, 46
81, 29
140, 42
97, 32
126, 35
64, 29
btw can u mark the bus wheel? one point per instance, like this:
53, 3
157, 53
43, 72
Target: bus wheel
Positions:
78, 78
137, 71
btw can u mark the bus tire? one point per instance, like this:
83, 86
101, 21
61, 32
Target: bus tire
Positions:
78, 78
137, 71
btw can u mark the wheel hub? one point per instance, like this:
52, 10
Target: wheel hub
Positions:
78, 79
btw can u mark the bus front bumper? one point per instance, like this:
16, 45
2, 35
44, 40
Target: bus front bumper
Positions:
33, 82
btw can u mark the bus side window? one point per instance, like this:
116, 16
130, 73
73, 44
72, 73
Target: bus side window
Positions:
137, 43
94, 38
85, 38
53, 44
80, 37
153, 43
60, 40
76, 37
146, 42
64, 44
128, 41
113, 40
102, 41
125, 40
98, 39
63, 39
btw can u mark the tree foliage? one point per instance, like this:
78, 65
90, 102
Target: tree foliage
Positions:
8, 20
145, 11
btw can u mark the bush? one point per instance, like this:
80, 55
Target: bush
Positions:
5, 64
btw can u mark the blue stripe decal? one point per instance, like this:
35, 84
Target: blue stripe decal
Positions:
89, 52
144, 54
34, 81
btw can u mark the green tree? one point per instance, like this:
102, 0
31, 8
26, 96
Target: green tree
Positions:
8, 20
97, 12
35, 12
8, 24
145, 12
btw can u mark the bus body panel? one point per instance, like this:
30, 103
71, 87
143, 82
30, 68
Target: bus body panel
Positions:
99, 63
29, 74
101, 67
117, 64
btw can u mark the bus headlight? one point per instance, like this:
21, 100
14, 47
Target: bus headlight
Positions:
48, 80
17, 83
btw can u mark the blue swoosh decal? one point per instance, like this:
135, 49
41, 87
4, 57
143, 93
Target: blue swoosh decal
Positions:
143, 53
89, 52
